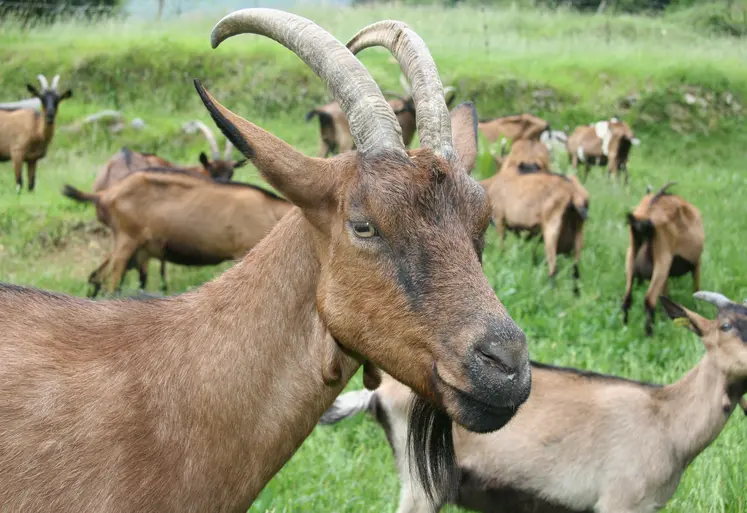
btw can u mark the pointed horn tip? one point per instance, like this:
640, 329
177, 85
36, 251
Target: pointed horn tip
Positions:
714, 298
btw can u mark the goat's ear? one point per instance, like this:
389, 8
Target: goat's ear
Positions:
630, 218
240, 163
204, 160
33, 90
67, 94
684, 317
309, 183
464, 134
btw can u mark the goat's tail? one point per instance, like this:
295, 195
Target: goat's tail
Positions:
78, 195
310, 115
347, 405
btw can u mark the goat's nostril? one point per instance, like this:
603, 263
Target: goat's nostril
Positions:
493, 359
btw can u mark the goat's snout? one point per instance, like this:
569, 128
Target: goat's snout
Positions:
500, 363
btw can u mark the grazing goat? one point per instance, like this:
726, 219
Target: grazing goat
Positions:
334, 130
666, 239
126, 162
25, 134
513, 128
194, 402
179, 218
526, 197
606, 143
583, 442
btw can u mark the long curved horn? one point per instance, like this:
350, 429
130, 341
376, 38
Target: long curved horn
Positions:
432, 115
405, 84
714, 298
55, 81
43, 82
191, 126
372, 122
227, 151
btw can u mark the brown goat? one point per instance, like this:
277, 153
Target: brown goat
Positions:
201, 400
583, 441
179, 218
528, 198
666, 239
25, 134
513, 128
334, 130
605, 143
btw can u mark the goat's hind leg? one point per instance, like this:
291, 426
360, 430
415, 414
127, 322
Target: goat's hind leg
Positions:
18, 170
95, 280
31, 172
124, 249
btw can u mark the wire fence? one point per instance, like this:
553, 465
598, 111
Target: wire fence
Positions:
28, 13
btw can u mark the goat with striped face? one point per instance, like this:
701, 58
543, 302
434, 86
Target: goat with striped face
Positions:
24, 135
49, 97
378, 264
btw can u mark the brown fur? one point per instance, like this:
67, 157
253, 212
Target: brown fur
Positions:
583, 442
585, 146
25, 135
666, 237
526, 197
200, 402
513, 128
156, 215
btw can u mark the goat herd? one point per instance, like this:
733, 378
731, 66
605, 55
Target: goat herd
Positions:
193, 402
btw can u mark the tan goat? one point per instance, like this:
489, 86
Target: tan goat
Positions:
527, 198
513, 128
605, 143
194, 402
179, 218
583, 441
666, 239
127, 161
25, 134
334, 130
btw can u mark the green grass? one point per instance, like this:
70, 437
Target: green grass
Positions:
588, 64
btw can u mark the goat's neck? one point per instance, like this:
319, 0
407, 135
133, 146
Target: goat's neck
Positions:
44, 130
261, 350
693, 409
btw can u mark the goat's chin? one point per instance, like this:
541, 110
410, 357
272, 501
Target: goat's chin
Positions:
471, 413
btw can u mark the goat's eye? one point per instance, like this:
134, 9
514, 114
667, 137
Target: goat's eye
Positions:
726, 327
364, 230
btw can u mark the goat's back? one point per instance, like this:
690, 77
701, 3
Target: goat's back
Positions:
124, 163
526, 201
205, 222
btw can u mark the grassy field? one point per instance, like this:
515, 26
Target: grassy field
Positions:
569, 69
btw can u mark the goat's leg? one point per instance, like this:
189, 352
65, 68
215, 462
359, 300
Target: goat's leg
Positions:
578, 244
141, 262
164, 286
628, 297
124, 248
17, 159
696, 278
587, 168
94, 279
551, 234
500, 227
658, 280
31, 172
324, 148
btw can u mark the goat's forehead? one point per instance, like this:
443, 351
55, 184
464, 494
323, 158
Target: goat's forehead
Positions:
417, 190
